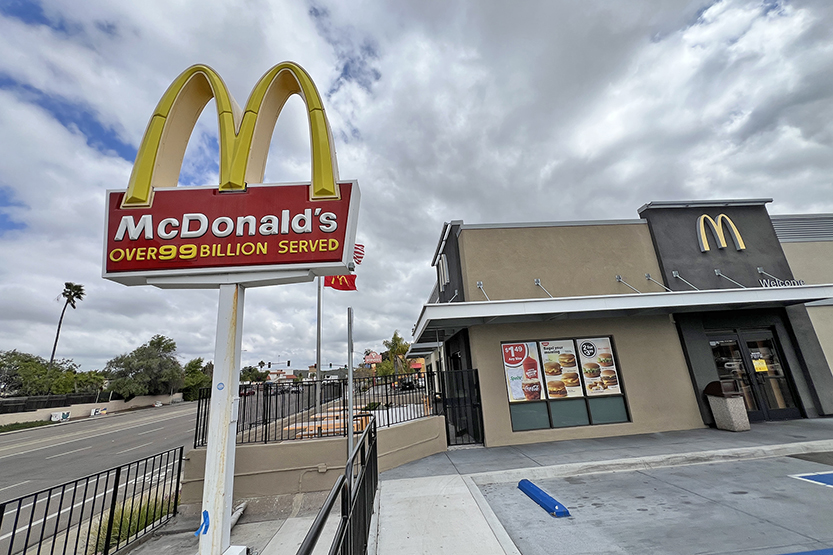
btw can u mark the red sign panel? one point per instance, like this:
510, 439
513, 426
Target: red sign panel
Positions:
514, 353
373, 358
199, 228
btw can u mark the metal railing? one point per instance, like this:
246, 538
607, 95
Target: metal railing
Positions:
100, 514
272, 412
356, 489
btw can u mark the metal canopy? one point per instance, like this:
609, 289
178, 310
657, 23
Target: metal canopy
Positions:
440, 321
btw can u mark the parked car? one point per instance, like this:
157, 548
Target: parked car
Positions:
406, 384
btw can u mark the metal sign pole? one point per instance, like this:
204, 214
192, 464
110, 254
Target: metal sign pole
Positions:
318, 368
218, 486
349, 381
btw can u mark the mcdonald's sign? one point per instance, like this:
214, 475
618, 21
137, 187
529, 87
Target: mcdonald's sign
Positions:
717, 228
241, 231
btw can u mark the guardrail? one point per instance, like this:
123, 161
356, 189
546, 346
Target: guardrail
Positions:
100, 514
356, 490
272, 412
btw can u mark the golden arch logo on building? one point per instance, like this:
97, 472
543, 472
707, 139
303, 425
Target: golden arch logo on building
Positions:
244, 135
717, 228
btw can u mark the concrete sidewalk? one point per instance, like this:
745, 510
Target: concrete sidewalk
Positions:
436, 504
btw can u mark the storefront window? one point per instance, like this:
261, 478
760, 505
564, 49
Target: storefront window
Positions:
555, 383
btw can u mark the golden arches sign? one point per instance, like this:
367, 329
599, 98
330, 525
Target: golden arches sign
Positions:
717, 230
264, 234
244, 135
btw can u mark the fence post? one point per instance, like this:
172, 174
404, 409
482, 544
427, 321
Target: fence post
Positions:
387, 399
178, 479
113, 503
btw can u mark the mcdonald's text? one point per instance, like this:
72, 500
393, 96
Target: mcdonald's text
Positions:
199, 227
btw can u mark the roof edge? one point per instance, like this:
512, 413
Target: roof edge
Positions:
654, 204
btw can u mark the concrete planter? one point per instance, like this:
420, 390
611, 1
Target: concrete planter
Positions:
729, 413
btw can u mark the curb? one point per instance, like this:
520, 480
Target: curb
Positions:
501, 535
651, 462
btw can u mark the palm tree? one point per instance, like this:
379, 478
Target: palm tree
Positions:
397, 348
72, 292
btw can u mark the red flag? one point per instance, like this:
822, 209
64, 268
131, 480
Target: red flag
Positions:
342, 283
358, 253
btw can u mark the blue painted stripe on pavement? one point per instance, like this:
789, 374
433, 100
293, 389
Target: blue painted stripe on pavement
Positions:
825, 478
819, 552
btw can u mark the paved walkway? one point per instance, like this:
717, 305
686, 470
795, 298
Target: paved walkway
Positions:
435, 505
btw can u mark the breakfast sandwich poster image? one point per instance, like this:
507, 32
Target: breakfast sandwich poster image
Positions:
523, 371
561, 372
597, 366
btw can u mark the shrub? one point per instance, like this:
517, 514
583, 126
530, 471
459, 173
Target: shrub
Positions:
131, 517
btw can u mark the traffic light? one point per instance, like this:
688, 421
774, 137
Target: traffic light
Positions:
269, 365
331, 365
287, 364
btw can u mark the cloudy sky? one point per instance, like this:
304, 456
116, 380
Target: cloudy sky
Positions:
477, 110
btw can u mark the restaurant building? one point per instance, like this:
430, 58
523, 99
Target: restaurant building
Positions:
602, 328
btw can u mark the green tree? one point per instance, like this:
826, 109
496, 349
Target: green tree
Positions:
151, 369
26, 374
252, 374
196, 378
385, 368
397, 349
89, 382
73, 292
10, 380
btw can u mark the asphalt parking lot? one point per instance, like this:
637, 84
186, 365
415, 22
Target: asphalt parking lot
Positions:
752, 507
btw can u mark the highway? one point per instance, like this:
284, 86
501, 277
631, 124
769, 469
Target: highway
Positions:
39, 458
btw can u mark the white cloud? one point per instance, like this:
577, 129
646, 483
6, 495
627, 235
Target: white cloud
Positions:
476, 110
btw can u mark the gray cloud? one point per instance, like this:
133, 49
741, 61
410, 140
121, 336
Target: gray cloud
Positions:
479, 111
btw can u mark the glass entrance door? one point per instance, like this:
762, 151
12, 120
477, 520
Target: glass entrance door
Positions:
752, 361
770, 380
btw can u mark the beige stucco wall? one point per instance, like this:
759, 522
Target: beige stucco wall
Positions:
569, 260
311, 465
813, 262
83, 410
652, 366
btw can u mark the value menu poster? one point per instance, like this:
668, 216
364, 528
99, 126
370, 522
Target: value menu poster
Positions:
523, 371
598, 367
561, 372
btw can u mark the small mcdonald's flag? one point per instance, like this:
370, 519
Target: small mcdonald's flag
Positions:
342, 283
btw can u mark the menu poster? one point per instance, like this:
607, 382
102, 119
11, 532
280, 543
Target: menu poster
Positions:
561, 372
598, 367
523, 371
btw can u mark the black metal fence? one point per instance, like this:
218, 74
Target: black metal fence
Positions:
100, 514
356, 490
462, 407
273, 412
35, 402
